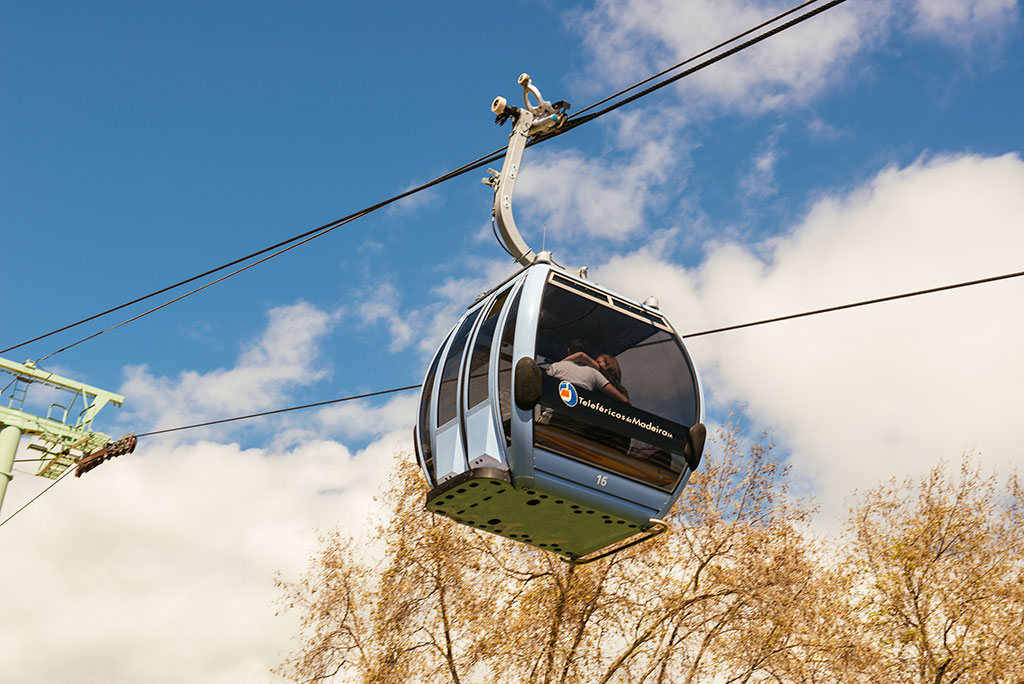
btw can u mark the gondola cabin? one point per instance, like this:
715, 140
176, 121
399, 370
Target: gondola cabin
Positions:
557, 413
522, 433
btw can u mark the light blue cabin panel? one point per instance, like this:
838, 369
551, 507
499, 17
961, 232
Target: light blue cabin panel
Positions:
559, 486
601, 482
525, 337
480, 436
449, 457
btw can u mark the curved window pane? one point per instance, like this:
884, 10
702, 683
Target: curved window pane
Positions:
426, 452
618, 392
478, 361
508, 335
448, 393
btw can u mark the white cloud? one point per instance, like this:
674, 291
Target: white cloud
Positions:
424, 328
383, 307
758, 182
159, 566
966, 22
413, 203
361, 419
356, 420
283, 355
819, 130
579, 197
866, 394
630, 40
606, 197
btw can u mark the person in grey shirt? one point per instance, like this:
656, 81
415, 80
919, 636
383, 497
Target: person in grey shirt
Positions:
582, 371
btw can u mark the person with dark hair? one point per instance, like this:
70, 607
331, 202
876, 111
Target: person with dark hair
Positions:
609, 367
581, 370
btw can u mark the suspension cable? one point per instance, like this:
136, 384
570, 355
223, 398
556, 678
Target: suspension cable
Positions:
853, 305
764, 321
276, 411
480, 162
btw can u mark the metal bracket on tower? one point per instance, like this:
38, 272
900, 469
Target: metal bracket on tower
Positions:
531, 121
63, 437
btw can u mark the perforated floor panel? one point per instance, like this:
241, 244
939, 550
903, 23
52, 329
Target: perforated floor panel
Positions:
484, 499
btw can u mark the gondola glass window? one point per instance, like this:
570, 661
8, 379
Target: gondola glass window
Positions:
424, 416
505, 369
447, 398
589, 342
478, 361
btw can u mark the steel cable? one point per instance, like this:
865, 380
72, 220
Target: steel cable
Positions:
764, 321
572, 123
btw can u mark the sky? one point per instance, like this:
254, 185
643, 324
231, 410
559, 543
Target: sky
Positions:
873, 150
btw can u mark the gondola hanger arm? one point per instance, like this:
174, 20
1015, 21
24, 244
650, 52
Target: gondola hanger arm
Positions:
531, 121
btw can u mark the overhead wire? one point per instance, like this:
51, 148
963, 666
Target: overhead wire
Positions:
729, 328
714, 331
27, 503
189, 293
853, 305
304, 237
276, 411
572, 123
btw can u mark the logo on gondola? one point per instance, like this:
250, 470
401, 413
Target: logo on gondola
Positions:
568, 393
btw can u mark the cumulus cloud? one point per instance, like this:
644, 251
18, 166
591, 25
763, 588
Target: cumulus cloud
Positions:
159, 566
579, 196
423, 328
363, 419
383, 307
965, 22
630, 40
608, 197
886, 390
284, 355
352, 420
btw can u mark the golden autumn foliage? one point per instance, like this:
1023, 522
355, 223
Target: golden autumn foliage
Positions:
928, 586
938, 570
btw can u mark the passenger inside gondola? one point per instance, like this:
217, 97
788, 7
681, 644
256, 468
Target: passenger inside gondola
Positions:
580, 369
641, 433
609, 366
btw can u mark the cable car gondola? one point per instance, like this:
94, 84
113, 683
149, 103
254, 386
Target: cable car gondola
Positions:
557, 413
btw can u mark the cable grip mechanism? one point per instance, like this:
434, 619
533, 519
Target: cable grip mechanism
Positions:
534, 119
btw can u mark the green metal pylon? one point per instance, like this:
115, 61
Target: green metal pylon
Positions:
62, 437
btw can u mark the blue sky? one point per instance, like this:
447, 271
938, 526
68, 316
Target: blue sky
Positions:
873, 150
